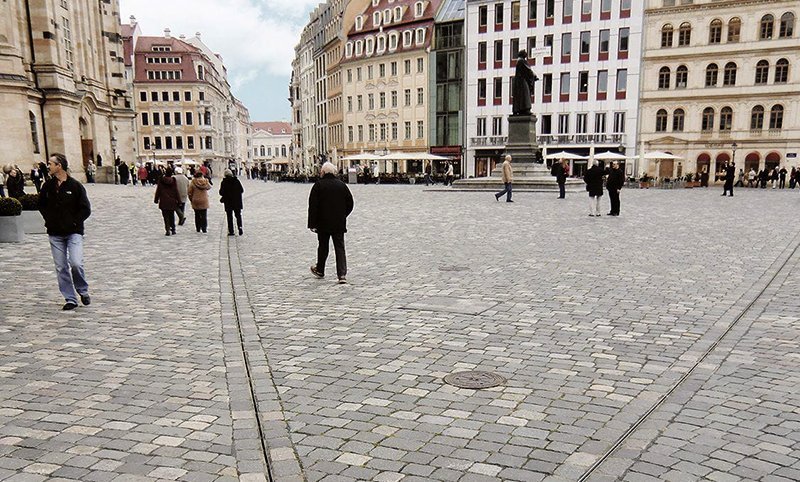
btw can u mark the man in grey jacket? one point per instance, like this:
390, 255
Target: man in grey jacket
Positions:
182, 183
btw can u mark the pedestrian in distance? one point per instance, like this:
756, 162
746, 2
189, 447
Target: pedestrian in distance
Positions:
91, 171
508, 180
198, 196
774, 177
142, 174
168, 200
793, 178
65, 207
594, 185
614, 184
751, 178
36, 178
428, 178
782, 175
183, 191
15, 183
740, 179
560, 170
449, 175
730, 173
230, 191
329, 204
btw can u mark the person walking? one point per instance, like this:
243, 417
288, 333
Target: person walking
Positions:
508, 180
65, 207
594, 185
740, 179
559, 170
230, 191
450, 175
428, 179
774, 177
91, 170
36, 178
329, 204
751, 178
183, 192
142, 174
15, 183
614, 184
793, 178
167, 199
782, 175
730, 173
198, 196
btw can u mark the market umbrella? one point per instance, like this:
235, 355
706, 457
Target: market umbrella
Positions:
610, 156
659, 155
564, 155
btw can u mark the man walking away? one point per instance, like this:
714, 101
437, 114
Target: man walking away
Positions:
230, 191
730, 173
167, 199
183, 193
614, 183
329, 204
64, 207
450, 174
508, 180
594, 185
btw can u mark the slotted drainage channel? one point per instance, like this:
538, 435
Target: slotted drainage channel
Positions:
453, 268
475, 380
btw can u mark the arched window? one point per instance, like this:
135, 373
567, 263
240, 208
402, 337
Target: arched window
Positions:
666, 35
776, 117
762, 72
677, 120
663, 78
715, 31
283, 150
757, 118
262, 151
729, 77
712, 72
661, 120
787, 25
734, 29
681, 77
34, 131
684, 34
781, 71
725, 119
708, 119
766, 26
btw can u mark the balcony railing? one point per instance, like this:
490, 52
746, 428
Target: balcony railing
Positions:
488, 141
548, 139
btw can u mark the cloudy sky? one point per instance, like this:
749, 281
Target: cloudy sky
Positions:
256, 39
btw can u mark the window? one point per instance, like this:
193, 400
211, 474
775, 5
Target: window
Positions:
547, 124
602, 81
708, 119
359, 22
563, 123
376, 19
531, 46
498, 51
209, 144
420, 129
481, 127
513, 49
369, 72
564, 85
677, 120
165, 96
681, 77
407, 127
734, 29
624, 37
156, 119
176, 116
67, 41
481, 52
549, 9
394, 98
369, 46
420, 36
776, 117
420, 96
547, 84
202, 95
360, 102
604, 40
661, 120
145, 119
407, 67
167, 119
548, 42
715, 31
190, 142
619, 122
498, 14
358, 74
178, 142
781, 71
382, 100
762, 72
420, 65
766, 26
372, 132
394, 131
729, 76
663, 78
725, 119
154, 96
684, 34
757, 118
581, 123
497, 126
393, 68
532, 9
600, 123
383, 131
498, 88
349, 103
200, 72
622, 80
34, 131
360, 133
187, 96
583, 82
787, 25
408, 94
566, 44
586, 43
188, 118
168, 142
176, 96
157, 143
666, 35
586, 7
143, 96
382, 70
483, 16
371, 101
419, 7
566, 11
146, 141
712, 71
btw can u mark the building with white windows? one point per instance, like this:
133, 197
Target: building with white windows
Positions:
272, 144
587, 55
720, 80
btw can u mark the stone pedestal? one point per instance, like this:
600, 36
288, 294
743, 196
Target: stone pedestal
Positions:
522, 139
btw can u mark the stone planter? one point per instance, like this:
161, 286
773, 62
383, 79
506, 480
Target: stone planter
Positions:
33, 222
11, 229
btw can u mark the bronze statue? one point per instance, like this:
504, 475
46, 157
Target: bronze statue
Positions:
524, 79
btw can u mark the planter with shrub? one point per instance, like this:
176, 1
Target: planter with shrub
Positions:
32, 219
11, 227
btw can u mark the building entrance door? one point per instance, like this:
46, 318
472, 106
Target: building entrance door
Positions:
666, 168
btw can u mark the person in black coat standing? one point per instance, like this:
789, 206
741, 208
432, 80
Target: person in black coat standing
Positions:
614, 183
230, 191
329, 204
594, 184
559, 170
730, 173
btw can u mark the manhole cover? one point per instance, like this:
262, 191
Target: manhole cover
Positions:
453, 268
475, 380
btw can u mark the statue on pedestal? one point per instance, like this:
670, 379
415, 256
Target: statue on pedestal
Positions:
524, 79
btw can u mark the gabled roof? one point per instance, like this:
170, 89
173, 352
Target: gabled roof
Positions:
145, 45
273, 127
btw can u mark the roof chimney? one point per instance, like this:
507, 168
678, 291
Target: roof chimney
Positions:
182, 37
166, 32
133, 20
197, 34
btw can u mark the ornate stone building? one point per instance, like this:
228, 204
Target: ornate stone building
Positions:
62, 86
720, 81
271, 144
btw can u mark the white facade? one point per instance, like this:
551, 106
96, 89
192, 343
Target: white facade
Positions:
271, 143
308, 105
587, 55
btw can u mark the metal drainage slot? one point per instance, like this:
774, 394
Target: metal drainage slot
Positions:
453, 268
475, 380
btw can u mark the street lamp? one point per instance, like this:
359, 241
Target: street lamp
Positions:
114, 156
733, 156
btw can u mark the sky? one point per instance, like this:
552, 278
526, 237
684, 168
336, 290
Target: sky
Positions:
256, 39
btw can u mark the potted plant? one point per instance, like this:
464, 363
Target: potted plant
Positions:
644, 181
32, 219
11, 228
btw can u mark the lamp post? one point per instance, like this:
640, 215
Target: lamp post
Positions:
733, 156
114, 156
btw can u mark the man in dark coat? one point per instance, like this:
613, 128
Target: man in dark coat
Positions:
523, 85
614, 183
230, 191
64, 207
329, 204
594, 185
730, 173
168, 200
559, 170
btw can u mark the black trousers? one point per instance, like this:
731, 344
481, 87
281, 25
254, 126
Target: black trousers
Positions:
338, 247
613, 195
169, 219
201, 219
561, 191
229, 213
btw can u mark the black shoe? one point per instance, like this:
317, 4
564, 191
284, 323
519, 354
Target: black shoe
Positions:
342, 280
166, 234
496, 197
181, 221
68, 306
198, 230
231, 234
241, 232
509, 201
316, 272
173, 232
205, 230
86, 300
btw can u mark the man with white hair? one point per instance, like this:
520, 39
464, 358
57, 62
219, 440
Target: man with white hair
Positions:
508, 179
329, 204
182, 183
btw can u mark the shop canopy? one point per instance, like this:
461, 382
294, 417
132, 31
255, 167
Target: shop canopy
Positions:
659, 155
610, 156
564, 155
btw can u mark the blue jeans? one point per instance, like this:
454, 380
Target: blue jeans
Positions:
506, 191
68, 257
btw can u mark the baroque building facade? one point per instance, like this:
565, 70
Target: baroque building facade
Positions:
62, 86
272, 144
721, 83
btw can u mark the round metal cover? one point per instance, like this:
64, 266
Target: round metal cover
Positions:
453, 268
475, 380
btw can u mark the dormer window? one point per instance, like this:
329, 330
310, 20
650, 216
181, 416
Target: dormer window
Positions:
381, 48
420, 36
375, 3
370, 45
393, 38
418, 9
376, 19
398, 14
348, 50
407, 38
387, 16
359, 47
359, 22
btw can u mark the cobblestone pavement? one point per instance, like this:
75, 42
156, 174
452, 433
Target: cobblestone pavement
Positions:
660, 345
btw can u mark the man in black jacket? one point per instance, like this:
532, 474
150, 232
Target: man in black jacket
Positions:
329, 205
64, 206
614, 183
559, 170
730, 173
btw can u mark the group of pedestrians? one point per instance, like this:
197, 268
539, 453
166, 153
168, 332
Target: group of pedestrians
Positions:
11, 177
775, 178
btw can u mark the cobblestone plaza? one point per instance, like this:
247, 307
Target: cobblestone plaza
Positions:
659, 345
